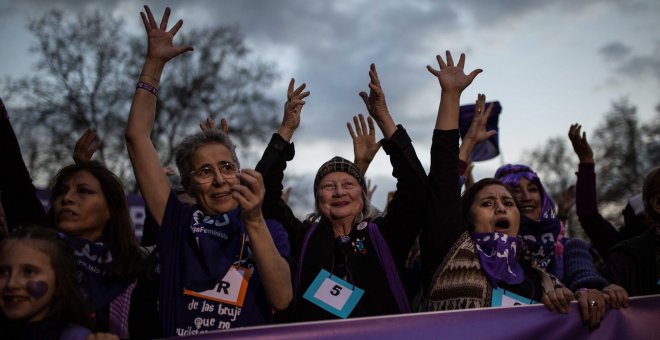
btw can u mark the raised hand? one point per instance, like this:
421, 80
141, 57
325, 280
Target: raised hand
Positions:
86, 146
375, 100
209, 126
292, 108
477, 132
453, 78
376, 105
580, 144
159, 40
365, 146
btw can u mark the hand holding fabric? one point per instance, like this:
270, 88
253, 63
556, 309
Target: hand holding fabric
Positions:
558, 299
591, 303
616, 296
477, 132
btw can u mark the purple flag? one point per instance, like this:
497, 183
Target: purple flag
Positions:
489, 148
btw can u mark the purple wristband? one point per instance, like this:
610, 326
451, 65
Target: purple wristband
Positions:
145, 86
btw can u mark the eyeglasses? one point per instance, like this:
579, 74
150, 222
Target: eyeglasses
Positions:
207, 173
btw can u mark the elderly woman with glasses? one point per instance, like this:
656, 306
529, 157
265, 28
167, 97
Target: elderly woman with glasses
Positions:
348, 257
222, 264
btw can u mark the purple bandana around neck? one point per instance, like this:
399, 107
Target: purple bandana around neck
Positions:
541, 239
215, 246
497, 253
92, 260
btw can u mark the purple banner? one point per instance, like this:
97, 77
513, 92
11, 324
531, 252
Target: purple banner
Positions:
639, 321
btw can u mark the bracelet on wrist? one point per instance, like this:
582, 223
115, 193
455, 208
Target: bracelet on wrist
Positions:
150, 88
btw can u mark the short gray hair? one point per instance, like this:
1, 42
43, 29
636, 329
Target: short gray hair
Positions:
184, 152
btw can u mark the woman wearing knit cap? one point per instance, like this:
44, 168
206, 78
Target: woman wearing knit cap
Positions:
569, 259
348, 259
469, 246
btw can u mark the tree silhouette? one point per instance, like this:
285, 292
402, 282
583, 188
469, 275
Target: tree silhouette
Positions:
85, 77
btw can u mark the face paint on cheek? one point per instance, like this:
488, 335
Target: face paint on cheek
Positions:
37, 289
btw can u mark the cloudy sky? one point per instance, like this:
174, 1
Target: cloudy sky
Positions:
549, 63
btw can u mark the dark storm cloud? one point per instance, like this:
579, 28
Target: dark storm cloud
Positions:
614, 51
628, 64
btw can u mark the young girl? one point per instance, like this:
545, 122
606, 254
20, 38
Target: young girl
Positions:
40, 298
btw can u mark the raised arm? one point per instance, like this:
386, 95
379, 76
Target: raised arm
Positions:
273, 163
601, 232
292, 108
365, 146
19, 196
445, 226
405, 212
146, 164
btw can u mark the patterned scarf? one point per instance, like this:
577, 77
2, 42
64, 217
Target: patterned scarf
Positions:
497, 253
542, 240
92, 258
215, 246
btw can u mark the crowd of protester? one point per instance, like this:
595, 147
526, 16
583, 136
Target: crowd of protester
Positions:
225, 250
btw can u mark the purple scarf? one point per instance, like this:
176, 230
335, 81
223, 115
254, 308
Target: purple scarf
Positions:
92, 259
541, 239
497, 254
215, 245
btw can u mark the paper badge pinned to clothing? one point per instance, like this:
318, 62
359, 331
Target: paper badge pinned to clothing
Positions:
230, 290
505, 298
333, 294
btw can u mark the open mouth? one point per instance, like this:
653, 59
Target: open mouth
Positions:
340, 204
502, 225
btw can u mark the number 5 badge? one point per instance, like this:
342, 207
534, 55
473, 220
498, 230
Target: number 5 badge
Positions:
333, 294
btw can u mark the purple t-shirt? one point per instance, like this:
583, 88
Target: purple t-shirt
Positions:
196, 251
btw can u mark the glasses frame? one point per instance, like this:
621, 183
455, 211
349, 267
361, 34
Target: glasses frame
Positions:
203, 179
